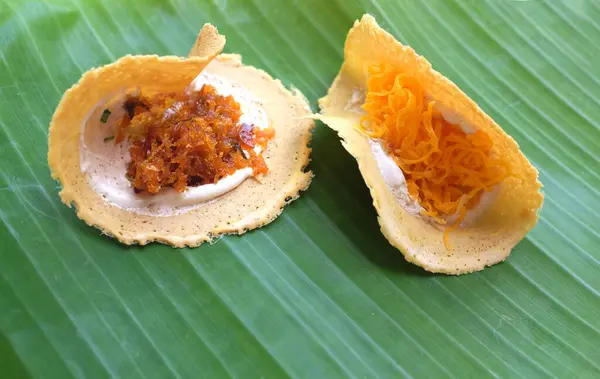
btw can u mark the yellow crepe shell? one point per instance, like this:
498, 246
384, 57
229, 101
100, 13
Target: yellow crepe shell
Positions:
251, 205
493, 235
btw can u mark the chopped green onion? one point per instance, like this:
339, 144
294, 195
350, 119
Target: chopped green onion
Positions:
105, 115
239, 147
109, 138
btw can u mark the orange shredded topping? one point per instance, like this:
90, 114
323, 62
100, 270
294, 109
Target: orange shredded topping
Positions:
446, 169
179, 140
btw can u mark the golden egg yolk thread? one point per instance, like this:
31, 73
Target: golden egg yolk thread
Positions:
446, 169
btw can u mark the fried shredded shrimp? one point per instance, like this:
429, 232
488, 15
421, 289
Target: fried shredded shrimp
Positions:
446, 169
188, 139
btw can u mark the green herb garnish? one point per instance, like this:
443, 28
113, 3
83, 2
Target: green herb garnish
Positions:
241, 150
105, 115
109, 138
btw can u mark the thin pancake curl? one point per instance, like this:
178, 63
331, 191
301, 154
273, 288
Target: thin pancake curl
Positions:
502, 225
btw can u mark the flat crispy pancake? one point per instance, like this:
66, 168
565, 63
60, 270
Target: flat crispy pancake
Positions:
251, 205
493, 235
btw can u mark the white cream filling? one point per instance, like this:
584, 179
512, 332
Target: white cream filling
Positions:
394, 177
105, 162
252, 109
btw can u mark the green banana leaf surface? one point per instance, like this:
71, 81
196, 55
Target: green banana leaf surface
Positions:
319, 293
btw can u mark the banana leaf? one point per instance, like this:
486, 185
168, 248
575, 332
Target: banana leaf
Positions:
319, 293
